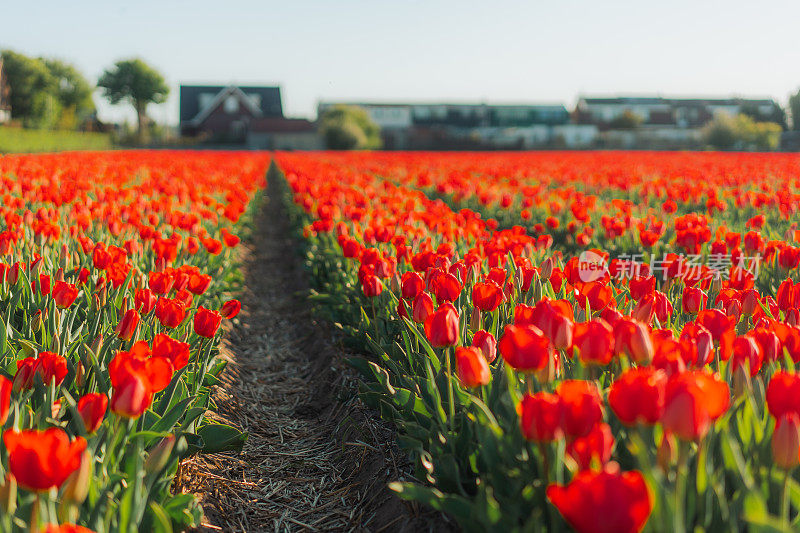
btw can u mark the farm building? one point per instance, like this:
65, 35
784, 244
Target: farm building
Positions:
243, 115
450, 126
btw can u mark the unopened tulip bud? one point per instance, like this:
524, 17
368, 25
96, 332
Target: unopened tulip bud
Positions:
395, 283
749, 302
716, 285
80, 374
549, 372
76, 487
59, 274
64, 257
741, 381
8, 494
37, 321
537, 289
95, 302
546, 268
475, 319
103, 295
97, 344
786, 442
159, 455
667, 454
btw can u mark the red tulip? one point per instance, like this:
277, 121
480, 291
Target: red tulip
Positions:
593, 448
783, 394
594, 341
633, 339
786, 441
198, 283
583, 406
604, 502
371, 286
230, 309
135, 377
637, 396
525, 348
161, 282
92, 408
41, 460
716, 322
471, 367
64, 294
6, 386
487, 296
441, 326
692, 402
175, 351
170, 312
693, 300
540, 417
411, 285
206, 322
144, 300
747, 353
446, 287
486, 343
422, 307
126, 328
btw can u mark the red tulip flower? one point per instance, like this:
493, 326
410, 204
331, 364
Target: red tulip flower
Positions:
422, 307
693, 300
582, 406
594, 448
442, 326
206, 322
693, 401
126, 328
637, 396
540, 417
487, 296
525, 348
230, 309
144, 301
471, 367
604, 502
371, 286
92, 408
783, 394
41, 460
6, 385
786, 441
64, 294
136, 376
486, 343
175, 351
170, 312
594, 341
411, 284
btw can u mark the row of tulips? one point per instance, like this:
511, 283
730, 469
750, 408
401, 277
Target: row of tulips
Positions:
114, 271
534, 400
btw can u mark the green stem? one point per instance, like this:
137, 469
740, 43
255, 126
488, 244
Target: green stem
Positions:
680, 488
451, 408
785, 497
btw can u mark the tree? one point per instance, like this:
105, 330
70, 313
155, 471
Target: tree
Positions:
741, 133
628, 120
776, 114
73, 91
349, 128
27, 77
46, 93
794, 106
138, 83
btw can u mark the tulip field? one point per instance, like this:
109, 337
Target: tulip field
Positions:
115, 270
603, 342
588, 341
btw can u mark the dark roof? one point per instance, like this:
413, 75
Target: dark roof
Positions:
656, 100
282, 125
190, 99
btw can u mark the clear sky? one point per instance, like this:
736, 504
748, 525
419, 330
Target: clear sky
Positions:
492, 51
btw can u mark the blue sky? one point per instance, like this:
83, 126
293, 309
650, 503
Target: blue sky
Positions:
497, 51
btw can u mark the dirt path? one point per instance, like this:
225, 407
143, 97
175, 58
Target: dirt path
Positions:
316, 458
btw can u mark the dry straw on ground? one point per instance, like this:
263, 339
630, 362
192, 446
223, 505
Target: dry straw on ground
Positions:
316, 459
